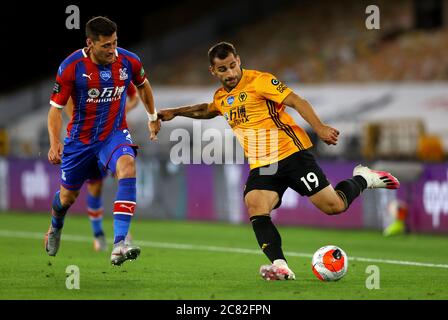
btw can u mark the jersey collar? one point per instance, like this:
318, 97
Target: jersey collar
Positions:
86, 49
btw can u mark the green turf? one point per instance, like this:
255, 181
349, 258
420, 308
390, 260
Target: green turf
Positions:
26, 272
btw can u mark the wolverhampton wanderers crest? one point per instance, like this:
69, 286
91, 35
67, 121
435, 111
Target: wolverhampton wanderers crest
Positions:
242, 96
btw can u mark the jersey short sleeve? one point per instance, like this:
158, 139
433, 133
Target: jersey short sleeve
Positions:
270, 88
132, 90
63, 86
138, 72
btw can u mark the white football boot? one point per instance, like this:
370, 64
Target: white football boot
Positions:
122, 252
278, 270
376, 179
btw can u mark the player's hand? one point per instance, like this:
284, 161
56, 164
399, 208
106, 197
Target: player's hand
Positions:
55, 153
328, 134
165, 115
154, 128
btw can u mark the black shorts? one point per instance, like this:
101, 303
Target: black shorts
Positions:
299, 172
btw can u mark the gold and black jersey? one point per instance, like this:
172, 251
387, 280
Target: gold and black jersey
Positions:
254, 110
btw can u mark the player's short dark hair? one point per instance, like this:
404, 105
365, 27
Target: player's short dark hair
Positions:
221, 50
100, 26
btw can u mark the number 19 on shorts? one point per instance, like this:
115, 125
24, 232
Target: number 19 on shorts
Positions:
311, 178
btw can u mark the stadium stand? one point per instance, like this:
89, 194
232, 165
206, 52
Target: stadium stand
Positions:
302, 42
314, 42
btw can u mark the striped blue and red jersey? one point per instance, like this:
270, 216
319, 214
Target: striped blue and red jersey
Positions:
98, 92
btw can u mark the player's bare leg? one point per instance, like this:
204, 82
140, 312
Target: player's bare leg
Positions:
63, 199
328, 201
259, 205
96, 211
334, 201
123, 210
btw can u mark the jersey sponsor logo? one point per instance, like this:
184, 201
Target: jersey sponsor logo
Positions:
105, 75
123, 73
242, 96
230, 100
280, 86
107, 94
93, 93
236, 116
57, 87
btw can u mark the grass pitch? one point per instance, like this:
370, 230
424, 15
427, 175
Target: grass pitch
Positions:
212, 261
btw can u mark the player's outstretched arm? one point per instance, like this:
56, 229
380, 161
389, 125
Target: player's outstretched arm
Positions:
326, 133
197, 111
54, 131
145, 92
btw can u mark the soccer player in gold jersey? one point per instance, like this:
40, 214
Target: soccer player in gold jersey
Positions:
253, 103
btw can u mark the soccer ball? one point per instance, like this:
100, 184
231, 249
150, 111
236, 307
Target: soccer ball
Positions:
329, 263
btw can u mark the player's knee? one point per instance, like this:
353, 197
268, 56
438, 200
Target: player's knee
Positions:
126, 167
256, 206
68, 198
94, 189
333, 207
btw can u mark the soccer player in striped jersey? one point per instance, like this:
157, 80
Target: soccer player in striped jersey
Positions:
96, 78
253, 103
95, 209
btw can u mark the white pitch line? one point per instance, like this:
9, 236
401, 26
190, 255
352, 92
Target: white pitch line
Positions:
179, 246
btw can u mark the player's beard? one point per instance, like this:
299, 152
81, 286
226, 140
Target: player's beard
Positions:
231, 83
104, 58
109, 58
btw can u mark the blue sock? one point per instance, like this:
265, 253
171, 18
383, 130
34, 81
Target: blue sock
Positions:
58, 212
124, 207
95, 210
121, 227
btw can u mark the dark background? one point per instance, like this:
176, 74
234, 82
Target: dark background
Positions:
35, 39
